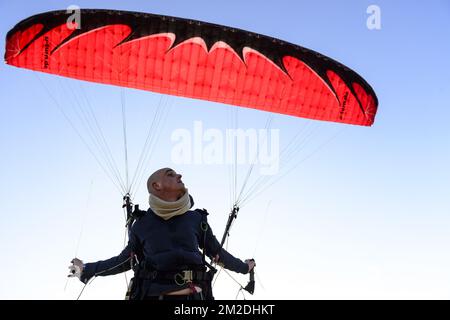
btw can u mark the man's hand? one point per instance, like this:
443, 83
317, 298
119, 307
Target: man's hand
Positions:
251, 264
216, 260
76, 269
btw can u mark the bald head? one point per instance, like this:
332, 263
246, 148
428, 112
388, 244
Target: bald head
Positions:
166, 184
154, 179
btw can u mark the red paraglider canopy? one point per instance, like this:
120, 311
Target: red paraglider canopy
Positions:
192, 59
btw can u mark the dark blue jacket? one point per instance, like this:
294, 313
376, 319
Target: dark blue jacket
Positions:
166, 245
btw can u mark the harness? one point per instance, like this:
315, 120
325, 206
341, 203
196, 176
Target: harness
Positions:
187, 276
178, 277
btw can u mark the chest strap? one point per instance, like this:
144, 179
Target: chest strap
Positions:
179, 277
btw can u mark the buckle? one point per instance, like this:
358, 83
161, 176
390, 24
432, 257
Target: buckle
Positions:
185, 276
188, 275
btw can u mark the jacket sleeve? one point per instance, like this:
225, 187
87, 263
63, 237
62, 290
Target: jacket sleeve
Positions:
114, 265
212, 248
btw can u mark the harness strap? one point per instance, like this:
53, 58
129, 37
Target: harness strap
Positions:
179, 277
204, 227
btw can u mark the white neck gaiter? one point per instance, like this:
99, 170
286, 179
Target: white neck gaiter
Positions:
166, 209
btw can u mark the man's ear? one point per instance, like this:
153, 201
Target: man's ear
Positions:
156, 186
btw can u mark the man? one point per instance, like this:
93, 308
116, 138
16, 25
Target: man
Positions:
165, 241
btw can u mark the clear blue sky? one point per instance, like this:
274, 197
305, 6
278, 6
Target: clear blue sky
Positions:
367, 216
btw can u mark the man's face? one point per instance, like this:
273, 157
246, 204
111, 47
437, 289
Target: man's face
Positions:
170, 181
